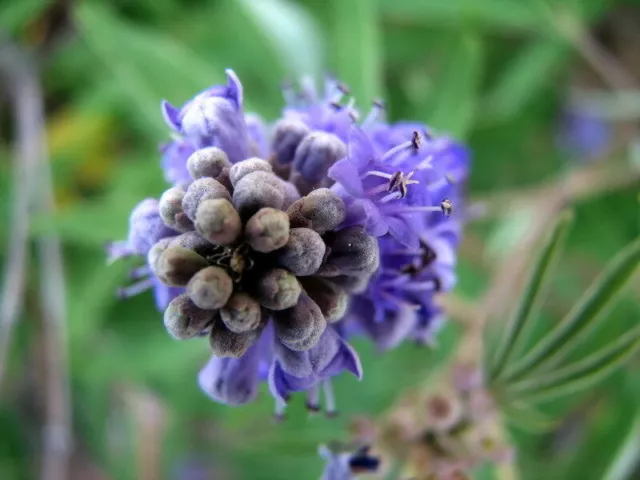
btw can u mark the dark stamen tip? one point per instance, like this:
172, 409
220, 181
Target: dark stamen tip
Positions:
279, 417
415, 140
378, 103
335, 105
332, 414
121, 294
312, 407
343, 88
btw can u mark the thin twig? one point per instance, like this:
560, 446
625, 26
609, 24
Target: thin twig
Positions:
36, 168
25, 162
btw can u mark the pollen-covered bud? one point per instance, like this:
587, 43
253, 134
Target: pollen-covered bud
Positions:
258, 190
287, 136
241, 313
218, 221
321, 210
200, 190
210, 288
303, 253
225, 343
353, 283
183, 319
301, 326
171, 212
207, 162
353, 252
277, 289
155, 252
443, 410
317, 152
332, 300
245, 167
176, 265
267, 230
193, 241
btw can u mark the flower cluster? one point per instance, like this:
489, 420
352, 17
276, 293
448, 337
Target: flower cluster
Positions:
280, 243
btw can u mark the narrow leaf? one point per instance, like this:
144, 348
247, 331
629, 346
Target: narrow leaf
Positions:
532, 295
356, 47
292, 31
457, 87
525, 417
524, 78
584, 317
581, 374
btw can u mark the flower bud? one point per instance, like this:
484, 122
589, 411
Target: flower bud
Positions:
193, 241
352, 284
241, 313
176, 265
303, 253
201, 190
244, 168
277, 289
171, 212
258, 190
353, 252
218, 221
317, 152
183, 319
207, 162
301, 326
155, 252
287, 136
332, 300
225, 343
321, 210
146, 227
210, 288
267, 230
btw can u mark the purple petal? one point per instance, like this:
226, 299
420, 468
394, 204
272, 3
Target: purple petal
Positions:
360, 149
345, 172
234, 88
171, 115
401, 231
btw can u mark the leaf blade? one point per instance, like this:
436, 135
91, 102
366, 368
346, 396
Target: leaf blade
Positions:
533, 293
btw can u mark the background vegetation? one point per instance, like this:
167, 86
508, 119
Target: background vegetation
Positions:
498, 74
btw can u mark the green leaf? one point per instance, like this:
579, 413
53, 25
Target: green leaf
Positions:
580, 374
532, 295
505, 14
292, 32
457, 87
525, 417
586, 315
521, 80
356, 47
15, 16
149, 66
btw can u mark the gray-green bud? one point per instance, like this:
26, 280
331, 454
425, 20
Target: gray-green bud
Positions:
171, 212
321, 210
207, 162
200, 190
218, 221
303, 253
176, 266
267, 230
258, 190
210, 288
300, 327
193, 241
352, 252
183, 319
155, 252
225, 343
241, 313
277, 289
332, 299
245, 167
286, 137
353, 284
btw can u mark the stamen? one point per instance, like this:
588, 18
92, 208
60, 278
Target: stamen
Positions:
135, 289
398, 148
421, 286
377, 173
376, 190
398, 302
313, 399
447, 207
374, 114
139, 272
403, 209
308, 89
329, 399
391, 196
279, 413
426, 163
117, 250
289, 93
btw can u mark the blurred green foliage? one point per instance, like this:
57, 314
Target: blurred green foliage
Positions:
494, 73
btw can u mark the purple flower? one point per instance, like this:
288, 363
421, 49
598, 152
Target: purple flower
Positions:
213, 118
174, 161
398, 191
582, 136
346, 464
294, 371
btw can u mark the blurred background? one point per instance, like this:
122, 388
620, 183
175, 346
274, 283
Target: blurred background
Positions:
545, 93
